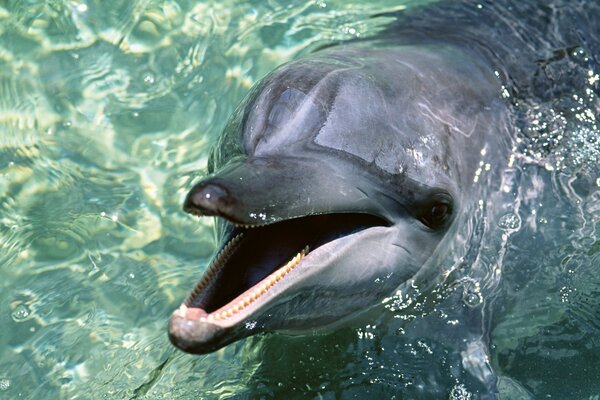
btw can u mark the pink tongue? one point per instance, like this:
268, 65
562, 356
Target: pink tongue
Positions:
195, 313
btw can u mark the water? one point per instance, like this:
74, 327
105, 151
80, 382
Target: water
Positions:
107, 113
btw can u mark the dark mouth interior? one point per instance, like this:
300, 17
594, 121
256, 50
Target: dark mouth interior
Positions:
265, 249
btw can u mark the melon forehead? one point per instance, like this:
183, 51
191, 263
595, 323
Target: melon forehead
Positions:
392, 113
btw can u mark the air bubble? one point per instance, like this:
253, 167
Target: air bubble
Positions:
509, 221
4, 384
20, 313
472, 299
149, 79
460, 392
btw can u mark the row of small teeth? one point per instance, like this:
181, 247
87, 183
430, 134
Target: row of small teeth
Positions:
215, 267
259, 291
249, 226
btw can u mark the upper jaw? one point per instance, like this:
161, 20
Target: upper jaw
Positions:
261, 191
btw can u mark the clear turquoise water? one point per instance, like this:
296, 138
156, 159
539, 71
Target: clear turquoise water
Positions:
107, 112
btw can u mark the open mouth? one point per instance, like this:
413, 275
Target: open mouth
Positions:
255, 259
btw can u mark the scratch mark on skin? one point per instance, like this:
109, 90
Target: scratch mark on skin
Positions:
426, 109
403, 248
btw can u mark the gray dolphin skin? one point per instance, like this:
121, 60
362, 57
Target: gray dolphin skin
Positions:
334, 184
347, 174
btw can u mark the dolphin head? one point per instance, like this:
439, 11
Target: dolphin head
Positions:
333, 184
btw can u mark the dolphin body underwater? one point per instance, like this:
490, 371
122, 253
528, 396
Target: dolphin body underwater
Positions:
350, 174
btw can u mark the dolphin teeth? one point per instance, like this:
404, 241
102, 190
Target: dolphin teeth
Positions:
214, 267
248, 226
251, 295
258, 290
182, 311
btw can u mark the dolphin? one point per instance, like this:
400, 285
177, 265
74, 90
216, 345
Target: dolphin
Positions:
341, 178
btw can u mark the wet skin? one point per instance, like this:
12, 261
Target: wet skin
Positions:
340, 178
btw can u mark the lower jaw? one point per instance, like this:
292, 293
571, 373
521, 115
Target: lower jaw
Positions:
246, 303
242, 250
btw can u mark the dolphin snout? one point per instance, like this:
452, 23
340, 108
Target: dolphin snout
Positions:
258, 191
209, 197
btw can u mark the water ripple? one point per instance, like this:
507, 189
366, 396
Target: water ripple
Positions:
107, 112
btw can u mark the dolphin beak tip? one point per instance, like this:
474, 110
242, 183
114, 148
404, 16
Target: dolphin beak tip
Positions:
207, 198
194, 336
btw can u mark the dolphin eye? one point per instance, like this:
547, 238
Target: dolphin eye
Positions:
437, 214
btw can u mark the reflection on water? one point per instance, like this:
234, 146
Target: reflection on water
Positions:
107, 110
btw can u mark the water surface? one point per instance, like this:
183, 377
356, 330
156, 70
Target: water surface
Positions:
107, 113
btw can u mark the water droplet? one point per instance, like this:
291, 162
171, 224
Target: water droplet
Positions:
510, 221
4, 383
460, 392
20, 313
472, 299
149, 79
